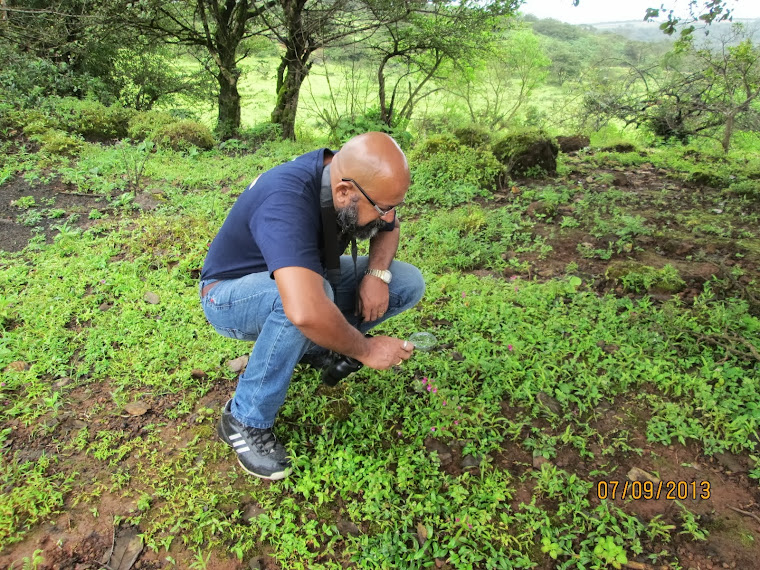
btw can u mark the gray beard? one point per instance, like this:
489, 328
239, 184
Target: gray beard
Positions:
348, 220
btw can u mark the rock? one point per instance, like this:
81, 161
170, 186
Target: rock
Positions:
252, 511
104, 307
573, 143
526, 153
17, 366
620, 179
198, 373
152, 298
471, 461
636, 474
347, 527
136, 409
256, 563
65, 381
731, 462
540, 460
548, 402
441, 449
238, 364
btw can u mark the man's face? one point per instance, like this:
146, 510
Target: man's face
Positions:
348, 220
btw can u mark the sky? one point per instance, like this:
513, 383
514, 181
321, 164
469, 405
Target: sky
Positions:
595, 11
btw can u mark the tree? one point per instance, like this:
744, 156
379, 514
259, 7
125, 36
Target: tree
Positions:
413, 52
706, 90
216, 31
505, 80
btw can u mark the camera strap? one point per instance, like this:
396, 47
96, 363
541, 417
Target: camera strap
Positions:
330, 237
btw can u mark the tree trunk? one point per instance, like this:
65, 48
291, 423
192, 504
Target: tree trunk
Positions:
728, 132
290, 76
228, 119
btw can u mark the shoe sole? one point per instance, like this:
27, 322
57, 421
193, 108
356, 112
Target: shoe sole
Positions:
276, 476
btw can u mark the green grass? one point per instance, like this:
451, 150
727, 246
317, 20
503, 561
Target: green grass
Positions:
76, 309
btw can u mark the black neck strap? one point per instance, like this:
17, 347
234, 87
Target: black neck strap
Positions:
330, 236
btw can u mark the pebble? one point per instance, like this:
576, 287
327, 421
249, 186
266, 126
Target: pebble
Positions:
152, 298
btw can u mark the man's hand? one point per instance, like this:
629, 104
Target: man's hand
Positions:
373, 298
386, 351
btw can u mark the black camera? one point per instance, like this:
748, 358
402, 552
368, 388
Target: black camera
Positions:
340, 368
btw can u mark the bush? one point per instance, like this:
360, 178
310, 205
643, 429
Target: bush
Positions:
55, 141
91, 119
748, 188
185, 134
145, 124
448, 173
473, 136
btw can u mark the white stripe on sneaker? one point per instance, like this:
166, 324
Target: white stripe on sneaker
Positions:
243, 449
238, 443
235, 436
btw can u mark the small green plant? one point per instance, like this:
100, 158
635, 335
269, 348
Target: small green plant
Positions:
611, 553
24, 203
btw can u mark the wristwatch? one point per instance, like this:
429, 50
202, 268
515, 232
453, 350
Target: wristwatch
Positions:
382, 274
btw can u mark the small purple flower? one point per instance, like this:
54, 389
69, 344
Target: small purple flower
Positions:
103, 281
444, 402
429, 388
510, 347
2, 384
456, 422
424, 380
459, 407
435, 390
432, 429
456, 519
464, 294
469, 525
399, 433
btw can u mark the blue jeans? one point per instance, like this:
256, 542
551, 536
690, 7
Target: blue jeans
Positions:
249, 308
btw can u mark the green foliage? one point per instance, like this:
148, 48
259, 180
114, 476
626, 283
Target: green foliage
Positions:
54, 141
446, 172
146, 124
183, 135
31, 493
89, 118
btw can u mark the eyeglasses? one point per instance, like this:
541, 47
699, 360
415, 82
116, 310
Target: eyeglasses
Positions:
381, 211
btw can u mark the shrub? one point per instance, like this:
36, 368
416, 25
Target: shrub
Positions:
472, 136
448, 173
748, 188
144, 124
185, 134
55, 141
91, 119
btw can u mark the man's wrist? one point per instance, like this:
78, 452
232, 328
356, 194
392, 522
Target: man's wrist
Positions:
383, 274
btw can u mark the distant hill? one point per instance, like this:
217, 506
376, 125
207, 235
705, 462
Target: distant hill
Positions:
641, 31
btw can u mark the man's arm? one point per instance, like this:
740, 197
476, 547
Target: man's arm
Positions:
308, 307
373, 292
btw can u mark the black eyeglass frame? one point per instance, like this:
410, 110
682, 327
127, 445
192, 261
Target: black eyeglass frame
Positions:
378, 209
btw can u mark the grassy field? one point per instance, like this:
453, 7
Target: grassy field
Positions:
593, 402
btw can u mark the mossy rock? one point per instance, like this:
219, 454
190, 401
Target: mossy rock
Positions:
527, 153
640, 278
573, 143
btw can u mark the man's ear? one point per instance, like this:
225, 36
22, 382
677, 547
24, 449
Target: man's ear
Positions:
342, 194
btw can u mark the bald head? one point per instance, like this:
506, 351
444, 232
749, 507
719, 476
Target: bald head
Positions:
377, 162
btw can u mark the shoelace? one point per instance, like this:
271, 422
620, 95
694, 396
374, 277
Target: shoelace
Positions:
264, 439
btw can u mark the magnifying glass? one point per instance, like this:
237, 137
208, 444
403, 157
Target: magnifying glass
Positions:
423, 341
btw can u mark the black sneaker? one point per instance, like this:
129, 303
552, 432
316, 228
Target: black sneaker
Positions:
258, 451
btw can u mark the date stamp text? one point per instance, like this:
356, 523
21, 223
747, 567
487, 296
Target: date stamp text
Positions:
651, 491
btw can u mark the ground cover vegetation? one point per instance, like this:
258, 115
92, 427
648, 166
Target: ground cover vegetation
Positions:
593, 401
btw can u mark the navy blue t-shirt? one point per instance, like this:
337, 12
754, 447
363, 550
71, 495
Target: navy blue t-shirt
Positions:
273, 224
